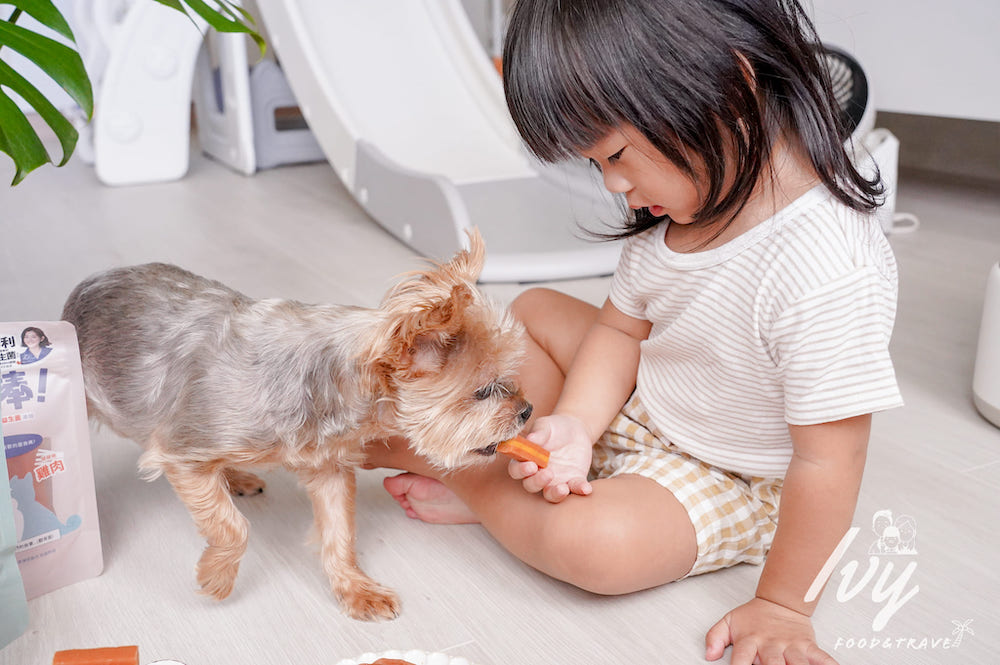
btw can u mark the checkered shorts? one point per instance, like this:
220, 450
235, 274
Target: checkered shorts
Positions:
734, 516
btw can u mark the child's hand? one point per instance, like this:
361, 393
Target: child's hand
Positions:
570, 450
766, 633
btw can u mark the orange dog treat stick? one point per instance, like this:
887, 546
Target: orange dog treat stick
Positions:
103, 656
525, 451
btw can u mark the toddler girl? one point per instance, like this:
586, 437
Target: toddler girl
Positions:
716, 409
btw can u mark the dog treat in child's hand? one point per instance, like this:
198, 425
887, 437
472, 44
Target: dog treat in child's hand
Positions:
103, 656
525, 451
389, 661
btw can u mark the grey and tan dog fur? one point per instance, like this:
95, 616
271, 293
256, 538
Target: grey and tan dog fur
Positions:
211, 382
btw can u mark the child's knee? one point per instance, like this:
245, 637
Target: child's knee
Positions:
530, 304
610, 551
598, 559
602, 569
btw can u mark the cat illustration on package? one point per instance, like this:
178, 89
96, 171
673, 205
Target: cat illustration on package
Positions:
36, 518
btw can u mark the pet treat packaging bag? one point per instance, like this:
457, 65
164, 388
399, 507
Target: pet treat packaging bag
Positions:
47, 449
13, 603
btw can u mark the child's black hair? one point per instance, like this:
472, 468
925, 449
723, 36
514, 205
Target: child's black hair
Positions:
708, 77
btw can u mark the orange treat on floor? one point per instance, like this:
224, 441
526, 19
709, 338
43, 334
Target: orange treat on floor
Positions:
103, 656
525, 451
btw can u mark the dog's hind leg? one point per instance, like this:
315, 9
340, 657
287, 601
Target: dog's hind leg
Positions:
204, 490
332, 493
242, 483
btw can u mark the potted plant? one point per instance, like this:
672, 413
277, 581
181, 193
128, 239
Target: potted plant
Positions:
63, 64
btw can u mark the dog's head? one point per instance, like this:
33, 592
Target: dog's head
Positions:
446, 363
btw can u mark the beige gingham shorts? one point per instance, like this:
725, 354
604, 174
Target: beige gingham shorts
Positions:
734, 516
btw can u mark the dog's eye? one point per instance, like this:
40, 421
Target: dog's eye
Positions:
493, 390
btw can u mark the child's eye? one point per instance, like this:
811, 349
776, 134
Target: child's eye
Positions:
611, 160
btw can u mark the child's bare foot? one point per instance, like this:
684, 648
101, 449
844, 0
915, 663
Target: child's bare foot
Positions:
428, 500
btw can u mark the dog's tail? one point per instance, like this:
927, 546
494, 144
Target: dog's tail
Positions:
151, 464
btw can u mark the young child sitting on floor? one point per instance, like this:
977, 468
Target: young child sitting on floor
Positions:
717, 408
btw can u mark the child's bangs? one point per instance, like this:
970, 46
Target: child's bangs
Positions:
555, 102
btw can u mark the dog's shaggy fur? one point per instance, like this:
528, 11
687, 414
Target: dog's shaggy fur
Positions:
210, 382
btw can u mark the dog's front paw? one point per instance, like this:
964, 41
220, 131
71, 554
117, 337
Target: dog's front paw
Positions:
368, 600
217, 572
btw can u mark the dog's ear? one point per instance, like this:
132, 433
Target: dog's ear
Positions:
469, 262
465, 266
433, 333
423, 338
439, 282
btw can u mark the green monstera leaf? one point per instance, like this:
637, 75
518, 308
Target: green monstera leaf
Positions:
63, 64
223, 15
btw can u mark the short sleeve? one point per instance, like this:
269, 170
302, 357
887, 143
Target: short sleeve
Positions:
832, 349
622, 294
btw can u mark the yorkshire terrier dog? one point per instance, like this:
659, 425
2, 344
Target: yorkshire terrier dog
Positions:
211, 382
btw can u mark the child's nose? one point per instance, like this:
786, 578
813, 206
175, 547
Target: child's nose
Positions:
615, 182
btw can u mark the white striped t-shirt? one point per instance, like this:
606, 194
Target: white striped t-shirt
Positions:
788, 323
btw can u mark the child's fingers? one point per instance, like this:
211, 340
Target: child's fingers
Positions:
537, 482
744, 653
795, 656
772, 654
817, 656
717, 639
580, 486
556, 493
521, 470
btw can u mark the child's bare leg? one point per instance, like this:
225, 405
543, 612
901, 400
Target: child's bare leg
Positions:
599, 542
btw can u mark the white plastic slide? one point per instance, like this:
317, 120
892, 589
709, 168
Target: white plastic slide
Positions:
409, 110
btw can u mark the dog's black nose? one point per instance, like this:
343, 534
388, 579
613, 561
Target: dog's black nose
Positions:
525, 414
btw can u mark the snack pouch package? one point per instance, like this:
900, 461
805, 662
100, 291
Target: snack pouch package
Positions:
47, 448
13, 603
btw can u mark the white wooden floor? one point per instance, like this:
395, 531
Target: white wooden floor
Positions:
294, 232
